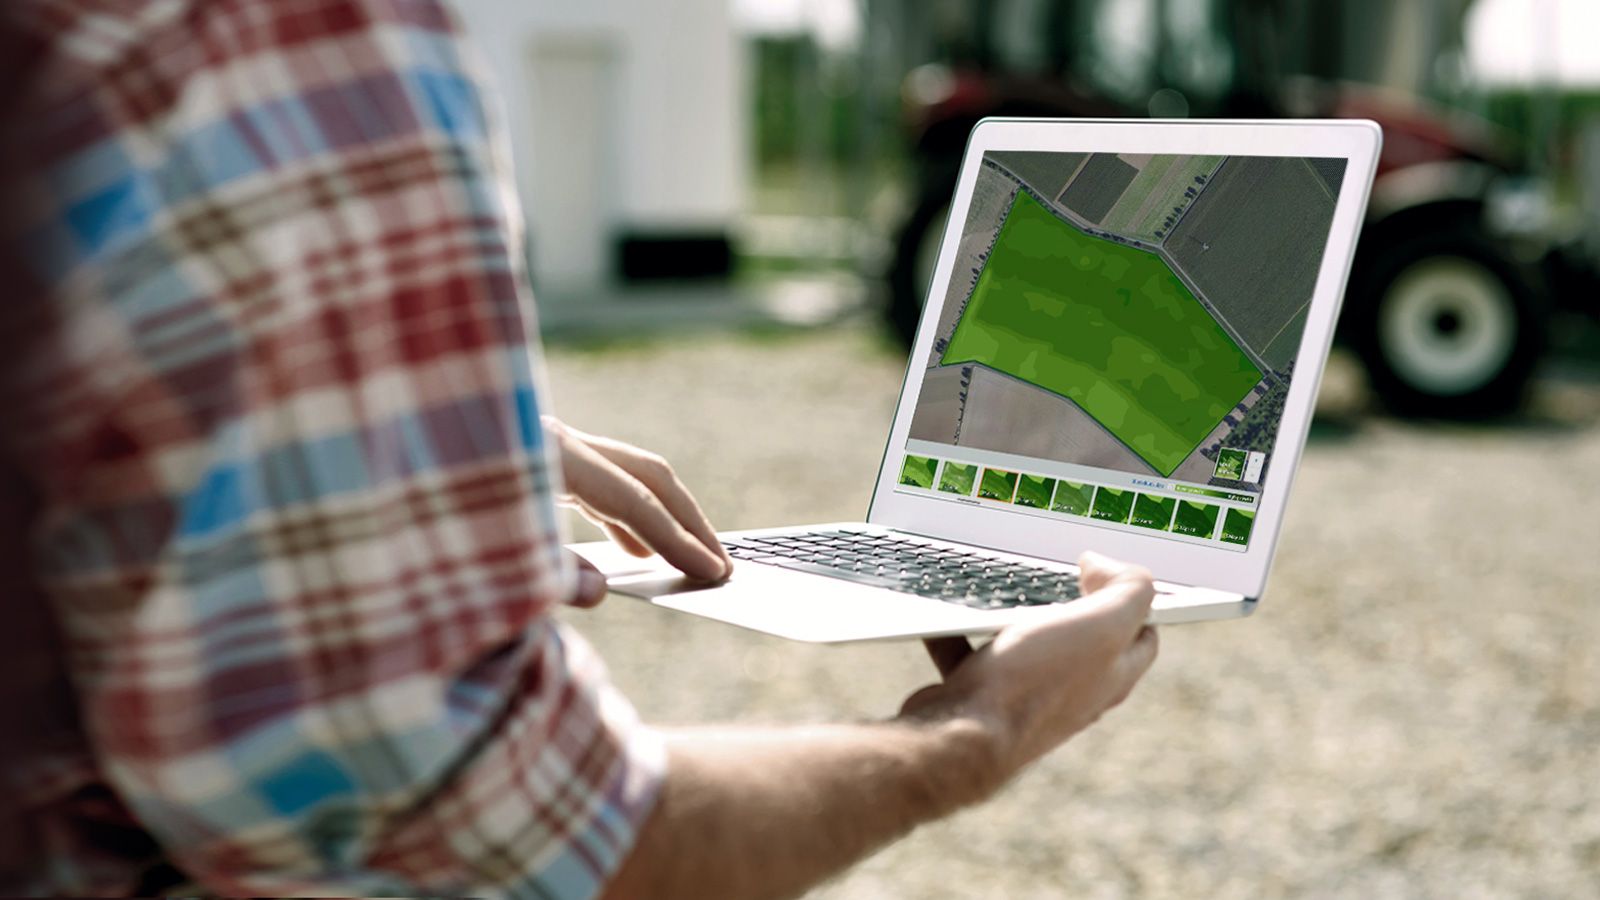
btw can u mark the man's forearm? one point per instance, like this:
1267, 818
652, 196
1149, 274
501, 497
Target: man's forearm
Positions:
769, 813
772, 812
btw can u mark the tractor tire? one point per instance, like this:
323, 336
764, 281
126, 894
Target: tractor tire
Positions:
1447, 327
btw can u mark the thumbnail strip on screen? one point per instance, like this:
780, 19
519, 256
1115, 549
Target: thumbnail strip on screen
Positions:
1191, 513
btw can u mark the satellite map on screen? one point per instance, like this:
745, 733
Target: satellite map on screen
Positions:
1133, 312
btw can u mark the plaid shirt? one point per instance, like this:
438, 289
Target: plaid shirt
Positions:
276, 399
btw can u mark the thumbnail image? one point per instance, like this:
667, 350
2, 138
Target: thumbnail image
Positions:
1034, 491
1230, 464
1196, 519
1072, 498
997, 485
1236, 527
1153, 512
958, 478
918, 471
1112, 505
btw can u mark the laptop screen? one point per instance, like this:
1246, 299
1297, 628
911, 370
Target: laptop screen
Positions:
1119, 337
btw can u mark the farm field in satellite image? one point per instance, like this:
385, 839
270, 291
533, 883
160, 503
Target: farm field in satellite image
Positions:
1127, 311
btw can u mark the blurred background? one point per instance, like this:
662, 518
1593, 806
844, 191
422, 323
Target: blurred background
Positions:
733, 209
728, 161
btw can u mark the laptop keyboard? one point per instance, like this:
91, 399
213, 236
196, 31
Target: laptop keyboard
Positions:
911, 567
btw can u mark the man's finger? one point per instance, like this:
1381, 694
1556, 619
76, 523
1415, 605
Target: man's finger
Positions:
1141, 654
616, 531
1135, 661
947, 653
619, 497
654, 472
624, 538
591, 584
1121, 601
1096, 571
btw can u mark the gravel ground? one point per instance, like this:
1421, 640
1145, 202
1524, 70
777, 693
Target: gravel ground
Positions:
1414, 711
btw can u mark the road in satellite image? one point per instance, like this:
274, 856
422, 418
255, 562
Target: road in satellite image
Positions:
1128, 311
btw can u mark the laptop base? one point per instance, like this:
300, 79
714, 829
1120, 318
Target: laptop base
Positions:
816, 608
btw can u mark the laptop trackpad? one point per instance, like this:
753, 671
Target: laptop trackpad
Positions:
802, 607
647, 585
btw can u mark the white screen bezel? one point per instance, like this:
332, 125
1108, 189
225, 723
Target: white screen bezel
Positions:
1356, 141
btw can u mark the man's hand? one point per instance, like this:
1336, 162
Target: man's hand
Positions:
771, 812
638, 500
1035, 686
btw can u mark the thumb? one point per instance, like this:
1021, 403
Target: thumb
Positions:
591, 587
1098, 571
1115, 592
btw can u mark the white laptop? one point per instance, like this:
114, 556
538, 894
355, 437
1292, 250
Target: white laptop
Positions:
1120, 352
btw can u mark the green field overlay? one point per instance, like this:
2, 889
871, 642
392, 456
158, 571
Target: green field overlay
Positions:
1236, 527
1108, 327
1072, 498
918, 471
997, 485
1153, 512
1112, 505
1230, 465
1195, 519
957, 478
1034, 491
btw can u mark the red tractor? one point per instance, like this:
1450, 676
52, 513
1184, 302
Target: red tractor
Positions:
1450, 299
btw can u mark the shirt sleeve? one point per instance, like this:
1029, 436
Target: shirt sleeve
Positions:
283, 412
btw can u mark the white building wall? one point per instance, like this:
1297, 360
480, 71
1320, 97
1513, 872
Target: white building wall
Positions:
666, 148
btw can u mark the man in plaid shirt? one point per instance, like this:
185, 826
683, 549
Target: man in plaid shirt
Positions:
278, 509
